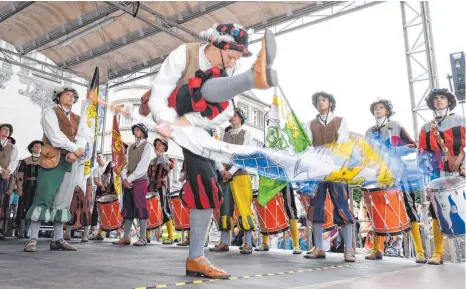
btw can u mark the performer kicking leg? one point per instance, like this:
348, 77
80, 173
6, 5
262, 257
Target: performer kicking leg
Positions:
202, 106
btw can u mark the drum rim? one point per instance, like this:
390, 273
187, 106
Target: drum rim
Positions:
378, 189
107, 202
462, 183
393, 233
151, 195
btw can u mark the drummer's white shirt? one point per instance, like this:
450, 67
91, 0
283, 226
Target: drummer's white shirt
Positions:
165, 82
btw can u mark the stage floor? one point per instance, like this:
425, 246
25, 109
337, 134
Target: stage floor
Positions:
103, 265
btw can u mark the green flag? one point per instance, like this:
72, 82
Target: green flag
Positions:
284, 133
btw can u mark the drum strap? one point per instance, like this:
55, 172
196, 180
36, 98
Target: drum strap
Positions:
454, 164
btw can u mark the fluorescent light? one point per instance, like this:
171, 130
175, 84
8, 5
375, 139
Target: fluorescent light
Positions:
85, 32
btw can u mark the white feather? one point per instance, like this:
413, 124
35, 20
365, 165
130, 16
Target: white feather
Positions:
213, 35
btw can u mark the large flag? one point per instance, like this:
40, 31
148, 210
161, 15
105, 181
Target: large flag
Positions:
284, 133
118, 156
89, 124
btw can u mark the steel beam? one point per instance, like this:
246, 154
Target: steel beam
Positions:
40, 43
42, 71
16, 8
88, 55
170, 23
154, 25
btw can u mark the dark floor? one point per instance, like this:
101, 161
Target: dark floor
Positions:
103, 265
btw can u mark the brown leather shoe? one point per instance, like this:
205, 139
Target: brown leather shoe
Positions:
168, 242
184, 243
315, 253
122, 241
374, 255
220, 248
262, 248
67, 237
201, 267
421, 258
246, 250
140, 243
264, 76
350, 255
436, 259
61, 245
31, 246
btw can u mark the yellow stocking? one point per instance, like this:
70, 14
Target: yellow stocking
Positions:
438, 238
294, 232
170, 229
377, 242
416, 235
265, 239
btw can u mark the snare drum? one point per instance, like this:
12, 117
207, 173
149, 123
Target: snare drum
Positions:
386, 209
155, 211
272, 217
448, 197
180, 213
109, 212
328, 224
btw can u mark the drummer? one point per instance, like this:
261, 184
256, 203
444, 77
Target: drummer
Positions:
444, 150
237, 189
390, 133
324, 129
157, 173
135, 183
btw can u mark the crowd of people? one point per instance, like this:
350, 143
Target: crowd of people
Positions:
195, 87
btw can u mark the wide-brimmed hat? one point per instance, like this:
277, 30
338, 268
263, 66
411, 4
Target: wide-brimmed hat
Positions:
162, 140
59, 90
142, 127
329, 96
442, 91
34, 142
9, 126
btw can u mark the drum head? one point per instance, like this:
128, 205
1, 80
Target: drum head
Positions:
107, 199
371, 188
446, 183
151, 195
174, 194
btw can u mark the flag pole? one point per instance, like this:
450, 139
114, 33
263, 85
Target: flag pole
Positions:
292, 111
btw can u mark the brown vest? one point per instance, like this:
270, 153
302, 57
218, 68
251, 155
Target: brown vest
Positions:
324, 134
30, 161
134, 157
69, 127
192, 63
238, 139
5, 155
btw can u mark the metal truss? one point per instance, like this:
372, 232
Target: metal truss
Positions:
152, 29
422, 73
83, 20
41, 67
420, 56
15, 7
